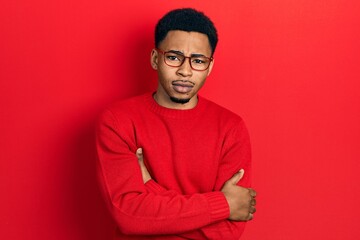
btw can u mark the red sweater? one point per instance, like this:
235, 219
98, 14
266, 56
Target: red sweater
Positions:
189, 153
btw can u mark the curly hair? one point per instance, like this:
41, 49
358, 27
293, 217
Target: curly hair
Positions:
189, 20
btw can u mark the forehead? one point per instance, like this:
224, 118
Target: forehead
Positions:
186, 42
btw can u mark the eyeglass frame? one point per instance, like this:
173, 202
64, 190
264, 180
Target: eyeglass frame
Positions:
185, 57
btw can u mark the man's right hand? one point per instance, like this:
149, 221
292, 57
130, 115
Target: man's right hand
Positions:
144, 172
241, 200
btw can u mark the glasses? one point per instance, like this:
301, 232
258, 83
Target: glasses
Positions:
174, 58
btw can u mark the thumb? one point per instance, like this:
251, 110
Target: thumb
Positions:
139, 154
237, 177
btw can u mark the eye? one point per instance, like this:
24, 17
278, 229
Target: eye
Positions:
173, 57
198, 61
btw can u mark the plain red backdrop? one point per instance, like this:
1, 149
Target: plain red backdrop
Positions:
289, 68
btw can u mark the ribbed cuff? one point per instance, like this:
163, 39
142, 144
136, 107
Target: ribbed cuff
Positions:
153, 187
219, 208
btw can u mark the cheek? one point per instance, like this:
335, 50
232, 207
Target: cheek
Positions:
200, 78
165, 78
166, 74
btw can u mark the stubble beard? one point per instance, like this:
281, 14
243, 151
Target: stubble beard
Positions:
179, 100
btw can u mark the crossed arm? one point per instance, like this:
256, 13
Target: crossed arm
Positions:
150, 209
241, 200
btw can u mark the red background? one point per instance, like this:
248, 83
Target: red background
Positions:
290, 68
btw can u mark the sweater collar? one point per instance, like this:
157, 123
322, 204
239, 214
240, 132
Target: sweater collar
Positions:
175, 113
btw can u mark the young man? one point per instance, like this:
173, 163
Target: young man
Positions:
169, 161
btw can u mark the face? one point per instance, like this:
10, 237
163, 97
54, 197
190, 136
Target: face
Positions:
178, 86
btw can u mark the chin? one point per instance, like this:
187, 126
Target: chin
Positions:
180, 100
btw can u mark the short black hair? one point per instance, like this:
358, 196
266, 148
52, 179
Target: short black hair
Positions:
189, 20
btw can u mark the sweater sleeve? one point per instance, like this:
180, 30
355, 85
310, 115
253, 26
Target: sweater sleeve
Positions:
135, 209
236, 155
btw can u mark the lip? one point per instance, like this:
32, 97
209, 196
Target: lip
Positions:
182, 86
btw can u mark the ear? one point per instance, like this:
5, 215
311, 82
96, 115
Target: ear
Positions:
210, 67
154, 59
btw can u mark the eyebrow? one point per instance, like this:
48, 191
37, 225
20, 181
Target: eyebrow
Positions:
192, 55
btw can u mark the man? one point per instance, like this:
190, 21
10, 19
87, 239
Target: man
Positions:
169, 161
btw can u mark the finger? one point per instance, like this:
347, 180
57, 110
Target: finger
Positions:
253, 201
241, 172
139, 154
252, 210
250, 217
237, 176
252, 192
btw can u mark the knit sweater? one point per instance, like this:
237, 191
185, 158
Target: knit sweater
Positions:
189, 154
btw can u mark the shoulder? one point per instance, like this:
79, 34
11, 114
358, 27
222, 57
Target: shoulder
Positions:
124, 110
231, 124
225, 116
129, 104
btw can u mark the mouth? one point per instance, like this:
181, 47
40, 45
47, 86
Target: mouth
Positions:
183, 87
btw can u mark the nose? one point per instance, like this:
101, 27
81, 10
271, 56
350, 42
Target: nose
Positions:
185, 69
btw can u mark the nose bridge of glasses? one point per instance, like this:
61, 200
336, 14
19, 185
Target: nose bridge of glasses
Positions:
185, 65
187, 62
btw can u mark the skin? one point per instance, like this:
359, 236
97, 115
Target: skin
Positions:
184, 83
187, 43
241, 200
